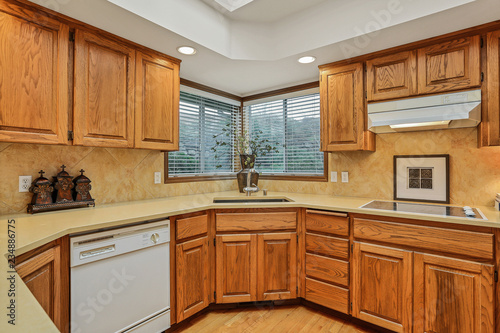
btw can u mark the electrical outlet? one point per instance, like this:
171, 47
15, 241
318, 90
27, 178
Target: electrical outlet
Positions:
157, 177
345, 177
333, 176
24, 183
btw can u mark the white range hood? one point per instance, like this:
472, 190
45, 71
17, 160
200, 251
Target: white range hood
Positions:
455, 110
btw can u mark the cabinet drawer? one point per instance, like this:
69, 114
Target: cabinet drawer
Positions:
468, 243
256, 221
327, 222
191, 226
327, 246
333, 297
327, 269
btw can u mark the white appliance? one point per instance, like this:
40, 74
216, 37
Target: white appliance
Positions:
120, 280
455, 110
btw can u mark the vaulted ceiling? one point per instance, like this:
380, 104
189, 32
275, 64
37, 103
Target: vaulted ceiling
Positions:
255, 48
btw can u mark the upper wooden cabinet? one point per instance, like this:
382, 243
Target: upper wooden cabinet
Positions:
157, 102
392, 76
33, 77
449, 66
104, 92
453, 295
343, 121
490, 127
382, 286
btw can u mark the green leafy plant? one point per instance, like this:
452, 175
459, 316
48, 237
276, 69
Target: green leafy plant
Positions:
244, 143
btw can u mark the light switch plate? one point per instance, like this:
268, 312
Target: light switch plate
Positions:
345, 177
24, 183
333, 176
157, 177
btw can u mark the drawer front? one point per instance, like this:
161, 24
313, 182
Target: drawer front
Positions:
331, 223
256, 221
327, 246
191, 226
327, 269
333, 297
468, 243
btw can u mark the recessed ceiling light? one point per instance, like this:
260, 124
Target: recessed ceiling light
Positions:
306, 59
188, 50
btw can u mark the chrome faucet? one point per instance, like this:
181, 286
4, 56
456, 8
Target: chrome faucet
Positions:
250, 187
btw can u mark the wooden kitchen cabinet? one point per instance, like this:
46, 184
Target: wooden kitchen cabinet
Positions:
236, 268
382, 286
392, 76
192, 277
157, 102
343, 119
34, 77
452, 295
104, 92
45, 271
490, 127
448, 66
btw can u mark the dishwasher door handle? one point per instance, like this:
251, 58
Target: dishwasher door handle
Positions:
97, 252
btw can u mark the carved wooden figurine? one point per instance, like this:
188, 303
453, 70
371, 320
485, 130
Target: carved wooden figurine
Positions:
82, 187
42, 190
63, 184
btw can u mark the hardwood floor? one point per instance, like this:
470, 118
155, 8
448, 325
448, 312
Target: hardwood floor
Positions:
282, 319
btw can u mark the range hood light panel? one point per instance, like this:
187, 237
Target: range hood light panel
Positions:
232, 5
441, 124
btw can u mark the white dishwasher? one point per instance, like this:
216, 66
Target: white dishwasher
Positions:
120, 280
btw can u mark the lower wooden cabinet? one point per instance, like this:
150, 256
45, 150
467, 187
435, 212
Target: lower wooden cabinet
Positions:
256, 267
452, 295
46, 274
192, 277
382, 286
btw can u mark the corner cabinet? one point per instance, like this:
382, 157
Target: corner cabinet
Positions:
104, 92
45, 271
34, 77
343, 116
157, 102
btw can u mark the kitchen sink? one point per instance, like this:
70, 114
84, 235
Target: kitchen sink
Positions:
250, 200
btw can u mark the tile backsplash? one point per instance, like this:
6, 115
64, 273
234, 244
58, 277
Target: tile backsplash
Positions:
127, 174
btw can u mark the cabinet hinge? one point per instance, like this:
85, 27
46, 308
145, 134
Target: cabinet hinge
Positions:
352, 247
297, 289
366, 95
215, 295
481, 43
214, 241
482, 76
351, 306
70, 135
72, 36
496, 276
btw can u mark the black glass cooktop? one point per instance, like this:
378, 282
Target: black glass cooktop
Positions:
430, 209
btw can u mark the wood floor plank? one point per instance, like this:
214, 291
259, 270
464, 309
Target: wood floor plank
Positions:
280, 319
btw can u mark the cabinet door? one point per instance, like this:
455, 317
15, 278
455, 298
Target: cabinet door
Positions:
453, 295
343, 109
382, 286
236, 268
42, 275
277, 266
104, 92
449, 66
490, 127
157, 102
393, 76
192, 273
33, 78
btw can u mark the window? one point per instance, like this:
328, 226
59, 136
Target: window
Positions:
200, 120
291, 124
294, 125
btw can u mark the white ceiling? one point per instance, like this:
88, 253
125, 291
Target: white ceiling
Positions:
255, 48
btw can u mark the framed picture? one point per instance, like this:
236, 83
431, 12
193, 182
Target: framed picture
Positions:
422, 178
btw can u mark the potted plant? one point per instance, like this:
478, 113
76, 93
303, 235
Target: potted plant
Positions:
248, 147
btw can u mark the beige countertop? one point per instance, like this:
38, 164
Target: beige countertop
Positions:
33, 231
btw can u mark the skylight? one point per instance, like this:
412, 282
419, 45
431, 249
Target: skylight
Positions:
232, 5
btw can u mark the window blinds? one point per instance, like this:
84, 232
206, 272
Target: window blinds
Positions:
293, 124
200, 120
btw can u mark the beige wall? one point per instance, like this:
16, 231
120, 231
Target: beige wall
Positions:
127, 174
